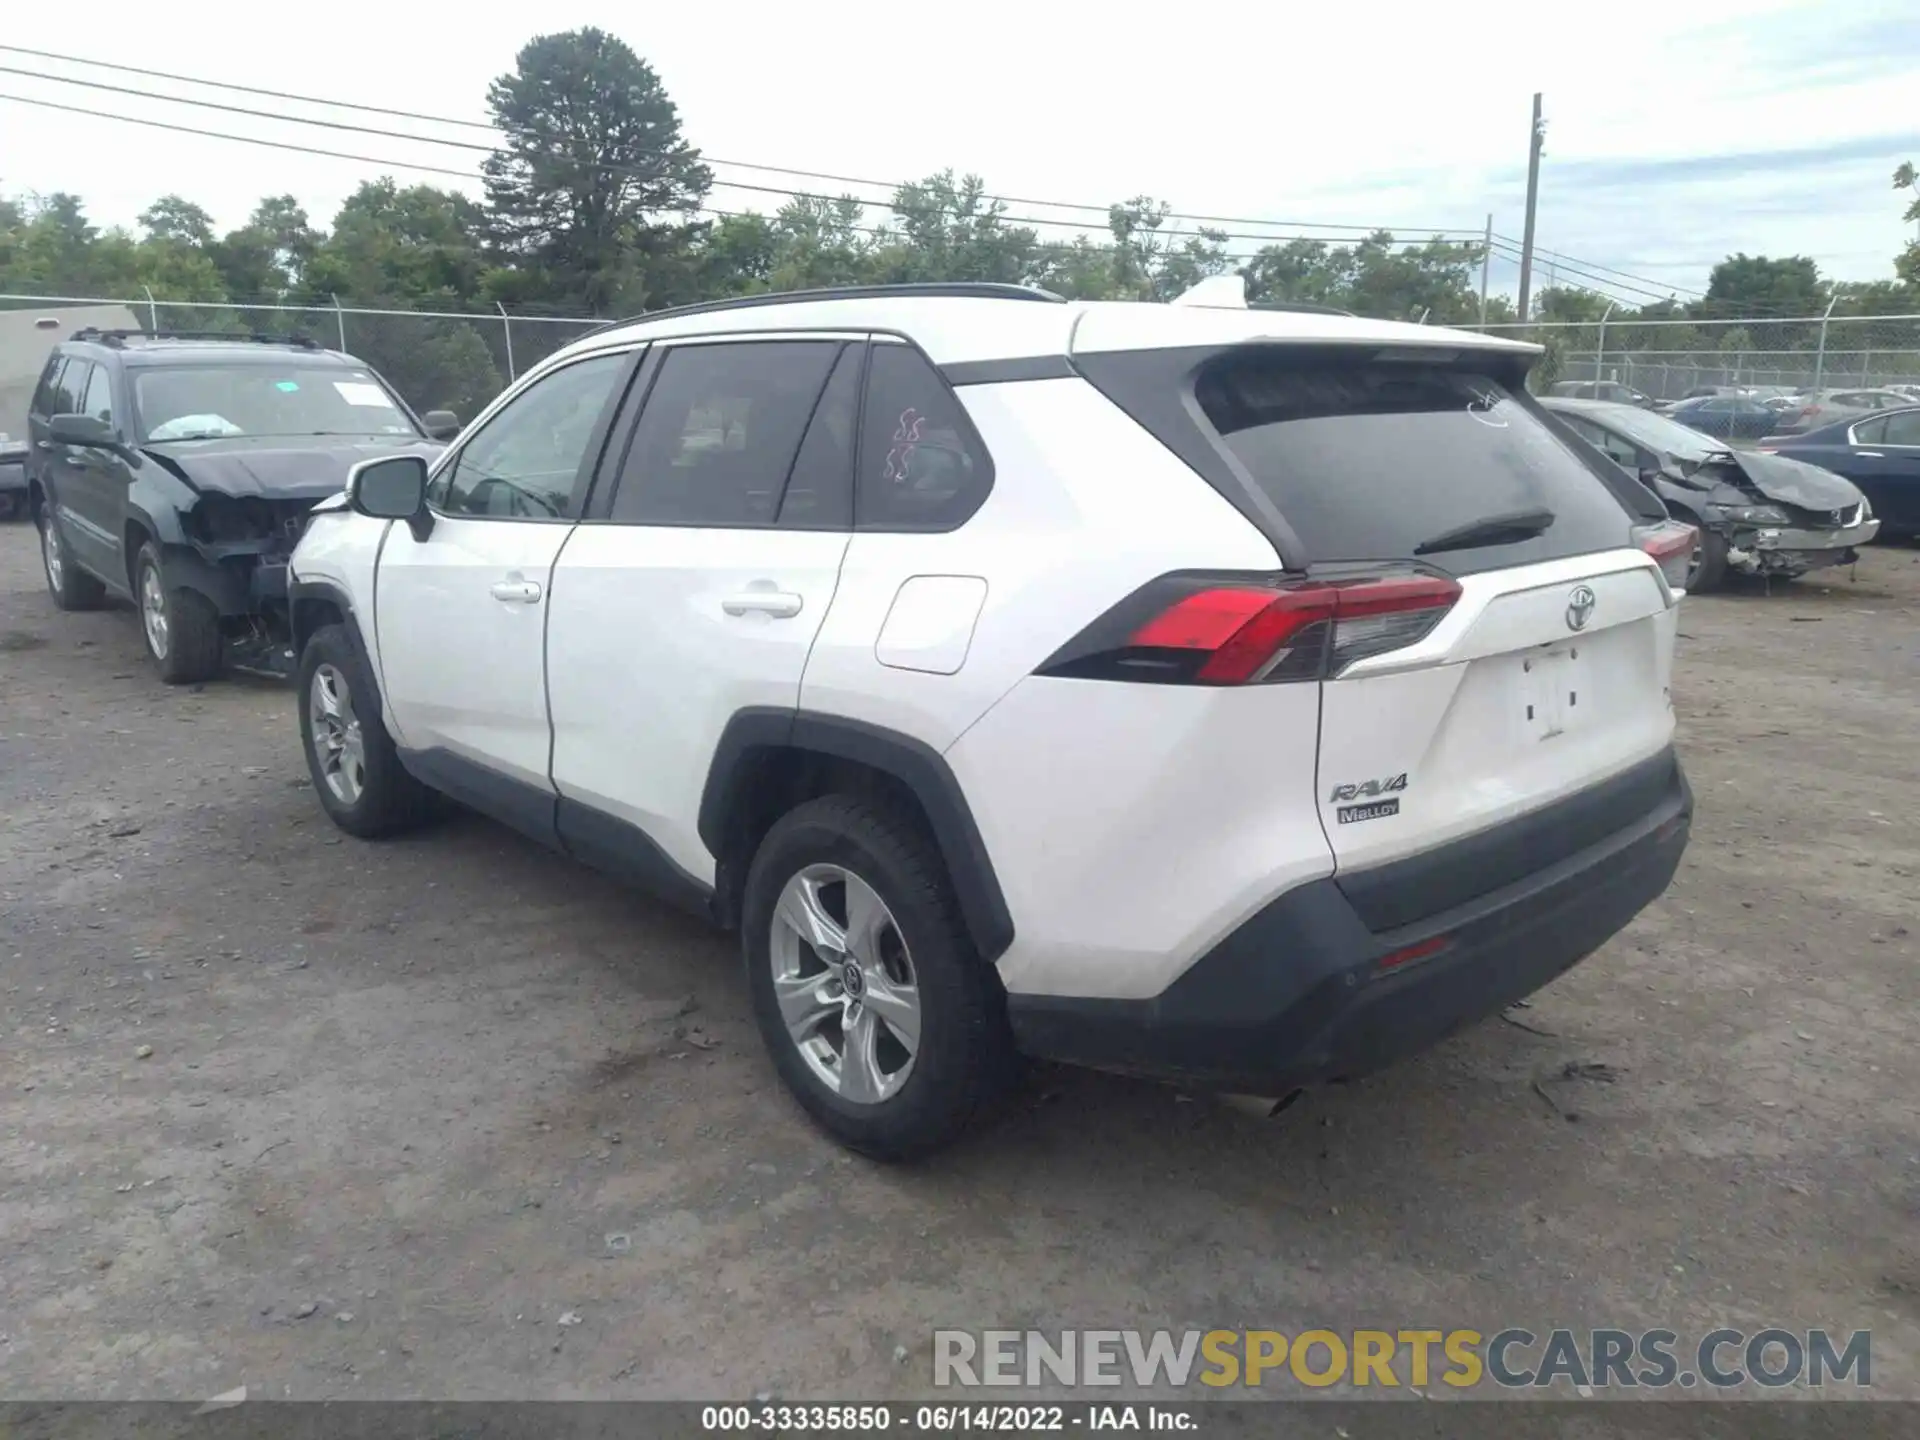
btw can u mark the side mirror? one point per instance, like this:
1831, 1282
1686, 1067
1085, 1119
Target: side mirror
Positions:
441, 424
83, 430
394, 488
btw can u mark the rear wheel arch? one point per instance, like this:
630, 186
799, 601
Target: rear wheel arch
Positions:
769, 761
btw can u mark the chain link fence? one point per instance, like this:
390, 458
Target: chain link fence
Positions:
1667, 359
437, 360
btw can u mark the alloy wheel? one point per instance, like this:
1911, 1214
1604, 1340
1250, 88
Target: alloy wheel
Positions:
153, 612
50, 550
337, 743
845, 984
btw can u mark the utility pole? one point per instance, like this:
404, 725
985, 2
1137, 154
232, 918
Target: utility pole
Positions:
1486, 270
1533, 195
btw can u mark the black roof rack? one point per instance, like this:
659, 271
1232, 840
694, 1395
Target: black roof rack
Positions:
118, 338
958, 289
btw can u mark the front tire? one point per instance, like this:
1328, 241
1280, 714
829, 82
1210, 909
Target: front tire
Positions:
356, 770
882, 1019
181, 627
1709, 565
71, 587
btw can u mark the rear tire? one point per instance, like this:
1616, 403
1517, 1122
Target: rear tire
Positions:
71, 587
1709, 565
897, 1061
181, 627
355, 767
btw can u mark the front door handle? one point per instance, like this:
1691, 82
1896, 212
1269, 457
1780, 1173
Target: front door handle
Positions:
524, 592
1870, 454
780, 604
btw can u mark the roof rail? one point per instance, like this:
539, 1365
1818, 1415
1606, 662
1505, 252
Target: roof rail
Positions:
118, 338
1301, 307
956, 289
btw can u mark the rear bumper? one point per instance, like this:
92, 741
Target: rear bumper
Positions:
13, 477
1299, 995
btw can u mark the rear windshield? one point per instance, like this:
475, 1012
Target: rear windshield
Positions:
1371, 459
1657, 432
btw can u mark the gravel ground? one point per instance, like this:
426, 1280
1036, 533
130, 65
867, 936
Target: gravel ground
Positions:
452, 1117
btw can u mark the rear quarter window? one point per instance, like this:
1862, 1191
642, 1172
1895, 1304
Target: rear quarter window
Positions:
922, 465
1367, 459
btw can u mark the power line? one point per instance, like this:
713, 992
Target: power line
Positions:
1102, 210
1603, 269
469, 145
1597, 285
469, 175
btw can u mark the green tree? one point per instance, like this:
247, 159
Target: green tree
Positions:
1299, 272
945, 229
421, 248
267, 258
415, 244
1907, 263
820, 242
1744, 286
171, 218
1185, 264
593, 163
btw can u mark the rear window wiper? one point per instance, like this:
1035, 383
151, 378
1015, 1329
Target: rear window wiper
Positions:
1508, 529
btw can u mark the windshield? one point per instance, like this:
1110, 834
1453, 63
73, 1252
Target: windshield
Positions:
184, 402
1657, 432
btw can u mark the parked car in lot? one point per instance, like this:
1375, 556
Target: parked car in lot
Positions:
177, 471
1880, 454
13, 475
1601, 390
1243, 698
1735, 417
1827, 407
1757, 514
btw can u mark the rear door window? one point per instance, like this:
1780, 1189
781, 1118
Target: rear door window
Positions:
1370, 459
720, 432
1903, 429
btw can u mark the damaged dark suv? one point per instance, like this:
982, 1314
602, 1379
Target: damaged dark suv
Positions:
1757, 513
176, 470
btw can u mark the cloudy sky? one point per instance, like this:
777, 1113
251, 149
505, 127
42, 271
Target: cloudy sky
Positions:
1677, 132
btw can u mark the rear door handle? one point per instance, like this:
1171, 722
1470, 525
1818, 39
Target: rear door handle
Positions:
781, 604
1870, 454
525, 592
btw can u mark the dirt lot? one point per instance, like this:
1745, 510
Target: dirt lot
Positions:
333, 1120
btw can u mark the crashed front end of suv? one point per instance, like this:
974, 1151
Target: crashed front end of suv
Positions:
229, 512
1767, 514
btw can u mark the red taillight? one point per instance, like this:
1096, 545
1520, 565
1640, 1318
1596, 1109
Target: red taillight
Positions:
1671, 545
1193, 631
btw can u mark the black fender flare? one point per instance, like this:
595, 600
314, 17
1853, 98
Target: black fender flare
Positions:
919, 767
302, 597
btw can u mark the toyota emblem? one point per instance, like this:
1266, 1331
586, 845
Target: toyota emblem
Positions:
1580, 607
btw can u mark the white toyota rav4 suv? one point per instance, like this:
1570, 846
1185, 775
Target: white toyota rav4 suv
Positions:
1240, 697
